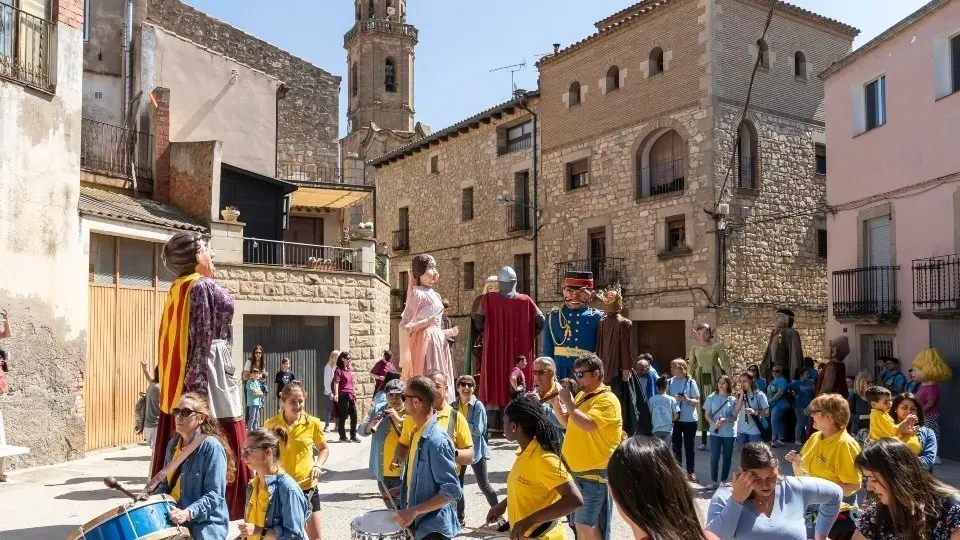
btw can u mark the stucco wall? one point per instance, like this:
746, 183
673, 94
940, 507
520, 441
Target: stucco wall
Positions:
103, 98
44, 281
239, 110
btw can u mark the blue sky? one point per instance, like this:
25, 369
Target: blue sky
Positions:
461, 40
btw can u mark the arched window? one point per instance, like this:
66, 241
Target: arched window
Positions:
800, 65
573, 97
371, 9
390, 76
747, 156
656, 61
662, 163
613, 78
764, 53
354, 83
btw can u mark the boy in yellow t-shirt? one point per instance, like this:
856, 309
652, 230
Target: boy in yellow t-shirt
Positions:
881, 423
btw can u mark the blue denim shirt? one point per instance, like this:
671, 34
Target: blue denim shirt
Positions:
203, 489
434, 473
287, 511
928, 447
378, 440
477, 420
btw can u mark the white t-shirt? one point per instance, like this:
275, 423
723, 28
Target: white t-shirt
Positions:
328, 380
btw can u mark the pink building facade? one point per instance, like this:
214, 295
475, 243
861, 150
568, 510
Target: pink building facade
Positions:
893, 196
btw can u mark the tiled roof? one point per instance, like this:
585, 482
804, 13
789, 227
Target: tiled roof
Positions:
884, 36
408, 149
645, 7
127, 207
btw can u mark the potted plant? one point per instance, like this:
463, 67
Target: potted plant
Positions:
230, 213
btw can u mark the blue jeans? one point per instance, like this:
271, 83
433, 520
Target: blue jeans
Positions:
744, 438
720, 445
801, 428
776, 419
664, 436
597, 509
253, 417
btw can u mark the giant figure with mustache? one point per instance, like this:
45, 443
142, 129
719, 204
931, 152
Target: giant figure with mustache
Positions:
571, 331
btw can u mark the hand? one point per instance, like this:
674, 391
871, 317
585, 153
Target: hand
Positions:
247, 529
393, 415
516, 532
315, 472
395, 465
748, 411
793, 457
451, 332
436, 319
178, 516
405, 518
742, 486
143, 363
496, 511
566, 396
625, 374
721, 421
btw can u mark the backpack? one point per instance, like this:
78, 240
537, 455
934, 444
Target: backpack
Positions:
139, 413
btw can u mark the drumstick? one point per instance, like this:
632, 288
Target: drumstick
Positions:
488, 532
112, 483
383, 486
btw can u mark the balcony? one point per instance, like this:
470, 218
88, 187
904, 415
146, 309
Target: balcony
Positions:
936, 287
26, 48
294, 255
866, 295
525, 141
115, 151
401, 240
381, 27
663, 178
607, 271
518, 218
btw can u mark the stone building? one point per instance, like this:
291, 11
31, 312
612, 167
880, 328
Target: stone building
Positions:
439, 195
649, 182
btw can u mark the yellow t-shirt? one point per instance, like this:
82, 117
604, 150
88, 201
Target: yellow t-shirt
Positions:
175, 488
881, 425
259, 500
532, 486
390, 449
296, 457
412, 456
461, 432
588, 451
832, 458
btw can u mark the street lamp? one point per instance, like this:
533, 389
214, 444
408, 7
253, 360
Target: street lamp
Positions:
504, 199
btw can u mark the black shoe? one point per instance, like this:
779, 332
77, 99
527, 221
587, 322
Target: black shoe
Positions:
344, 440
355, 440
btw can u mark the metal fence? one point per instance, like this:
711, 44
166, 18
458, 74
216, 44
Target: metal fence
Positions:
112, 149
866, 292
26, 47
401, 239
380, 267
667, 177
936, 284
518, 217
746, 172
309, 172
607, 271
525, 141
294, 255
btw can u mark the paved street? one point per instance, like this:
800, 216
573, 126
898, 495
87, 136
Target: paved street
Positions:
48, 503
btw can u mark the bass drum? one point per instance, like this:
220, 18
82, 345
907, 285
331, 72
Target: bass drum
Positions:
145, 520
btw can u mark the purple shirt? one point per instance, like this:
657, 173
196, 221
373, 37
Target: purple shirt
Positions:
343, 382
381, 368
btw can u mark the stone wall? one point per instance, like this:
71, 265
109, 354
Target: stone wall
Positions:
745, 333
194, 178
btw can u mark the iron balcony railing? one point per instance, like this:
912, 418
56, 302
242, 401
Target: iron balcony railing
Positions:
115, 150
309, 172
936, 287
294, 255
26, 47
866, 293
397, 304
747, 172
380, 267
525, 141
385, 27
607, 271
666, 177
401, 240
518, 217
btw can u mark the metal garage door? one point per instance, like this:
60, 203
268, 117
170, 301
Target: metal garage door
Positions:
306, 341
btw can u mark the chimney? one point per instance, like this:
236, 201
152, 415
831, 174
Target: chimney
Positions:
556, 48
161, 144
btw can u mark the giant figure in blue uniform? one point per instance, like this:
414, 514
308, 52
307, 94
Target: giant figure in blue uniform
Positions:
571, 331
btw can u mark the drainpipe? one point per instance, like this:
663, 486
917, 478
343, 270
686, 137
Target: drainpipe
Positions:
127, 59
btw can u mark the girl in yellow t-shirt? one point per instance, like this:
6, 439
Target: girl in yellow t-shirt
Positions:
540, 489
304, 433
276, 507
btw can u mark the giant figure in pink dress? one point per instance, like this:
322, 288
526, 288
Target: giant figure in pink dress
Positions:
423, 343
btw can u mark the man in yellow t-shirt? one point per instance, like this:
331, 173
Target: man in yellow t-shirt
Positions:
459, 432
594, 425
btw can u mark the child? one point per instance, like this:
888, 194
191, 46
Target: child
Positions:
151, 412
254, 400
664, 411
518, 384
802, 389
384, 422
881, 423
284, 376
277, 507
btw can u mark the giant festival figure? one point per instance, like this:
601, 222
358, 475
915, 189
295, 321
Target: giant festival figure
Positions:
473, 351
423, 342
194, 354
613, 348
784, 348
572, 329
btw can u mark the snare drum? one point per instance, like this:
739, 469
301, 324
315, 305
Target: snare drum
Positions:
377, 525
145, 520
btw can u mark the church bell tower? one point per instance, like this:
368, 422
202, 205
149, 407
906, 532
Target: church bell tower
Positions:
380, 56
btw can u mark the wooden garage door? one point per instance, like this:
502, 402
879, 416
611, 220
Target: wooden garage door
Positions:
665, 340
306, 341
126, 299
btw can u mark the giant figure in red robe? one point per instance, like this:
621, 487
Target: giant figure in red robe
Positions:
510, 322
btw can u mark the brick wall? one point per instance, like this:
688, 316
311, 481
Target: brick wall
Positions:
161, 141
70, 12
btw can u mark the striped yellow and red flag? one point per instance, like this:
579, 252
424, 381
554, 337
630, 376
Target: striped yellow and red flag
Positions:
174, 335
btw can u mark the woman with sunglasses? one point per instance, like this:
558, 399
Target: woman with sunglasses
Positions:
276, 507
199, 485
305, 452
476, 414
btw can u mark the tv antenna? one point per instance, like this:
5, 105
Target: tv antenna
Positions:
513, 68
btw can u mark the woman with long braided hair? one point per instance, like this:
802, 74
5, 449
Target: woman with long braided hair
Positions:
540, 489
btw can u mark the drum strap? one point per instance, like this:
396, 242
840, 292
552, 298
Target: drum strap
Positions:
174, 464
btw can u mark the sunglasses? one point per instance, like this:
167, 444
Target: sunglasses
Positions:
466, 385
580, 374
183, 412
541, 371
246, 451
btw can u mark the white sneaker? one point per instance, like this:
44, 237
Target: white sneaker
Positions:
702, 447
711, 486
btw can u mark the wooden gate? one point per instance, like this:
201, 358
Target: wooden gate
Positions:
665, 340
126, 299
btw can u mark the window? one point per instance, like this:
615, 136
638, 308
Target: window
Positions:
401, 237
820, 153
26, 38
613, 78
466, 204
435, 164
955, 62
800, 65
763, 54
518, 213
390, 76
371, 9
521, 264
359, 16
469, 276
656, 61
746, 156
577, 175
820, 225
573, 97
661, 163
517, 138
676, 234
875, 99
354, 83
597, 250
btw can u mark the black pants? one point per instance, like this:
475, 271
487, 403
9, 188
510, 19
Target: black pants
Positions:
436, 536
480, 472
684, 434
346, 404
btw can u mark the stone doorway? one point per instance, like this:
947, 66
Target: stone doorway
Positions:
664, 340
